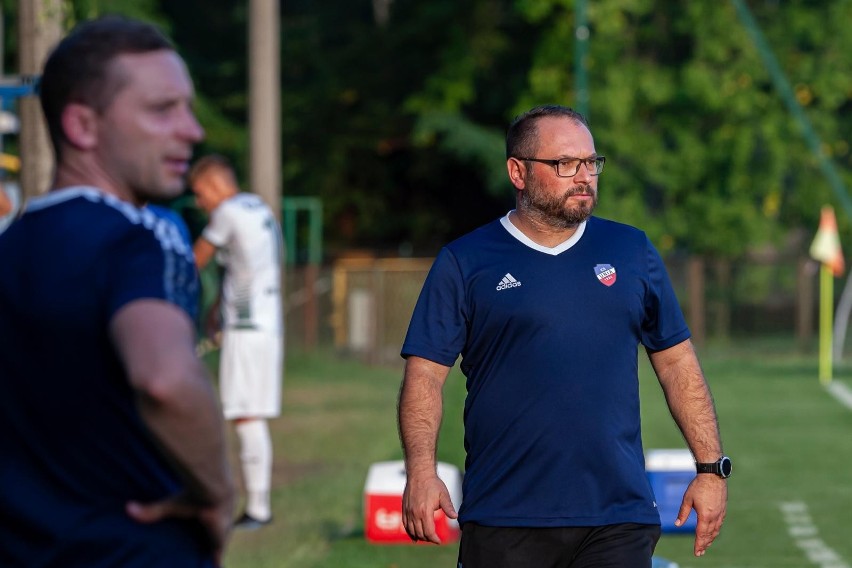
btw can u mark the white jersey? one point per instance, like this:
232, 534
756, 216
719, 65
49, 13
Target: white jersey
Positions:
248, 237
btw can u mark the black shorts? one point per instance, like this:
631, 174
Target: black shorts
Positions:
613, 546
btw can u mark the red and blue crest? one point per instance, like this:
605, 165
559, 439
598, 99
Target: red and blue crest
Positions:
605, 274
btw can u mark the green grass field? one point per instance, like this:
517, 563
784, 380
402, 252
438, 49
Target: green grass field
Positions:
789, 499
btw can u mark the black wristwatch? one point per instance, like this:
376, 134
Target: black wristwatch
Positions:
721, 467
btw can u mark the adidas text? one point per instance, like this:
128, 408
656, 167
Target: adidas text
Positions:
508, 281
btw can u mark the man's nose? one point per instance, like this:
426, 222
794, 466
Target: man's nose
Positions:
584, 173
191, 129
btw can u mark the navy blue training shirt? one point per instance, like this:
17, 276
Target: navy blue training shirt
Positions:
549, 343
73, 448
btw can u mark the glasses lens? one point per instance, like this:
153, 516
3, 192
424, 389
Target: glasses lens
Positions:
599, 164
568, 168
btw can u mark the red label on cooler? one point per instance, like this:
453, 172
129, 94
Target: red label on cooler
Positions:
383, 522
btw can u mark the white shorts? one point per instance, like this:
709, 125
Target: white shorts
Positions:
250, 374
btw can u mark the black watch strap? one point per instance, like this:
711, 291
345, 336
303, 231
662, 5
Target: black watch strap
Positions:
721, 467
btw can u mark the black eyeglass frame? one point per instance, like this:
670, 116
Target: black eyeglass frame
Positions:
598, 161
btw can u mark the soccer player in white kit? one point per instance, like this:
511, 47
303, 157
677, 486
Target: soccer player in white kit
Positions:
245, 237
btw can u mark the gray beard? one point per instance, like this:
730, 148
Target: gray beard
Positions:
551, 211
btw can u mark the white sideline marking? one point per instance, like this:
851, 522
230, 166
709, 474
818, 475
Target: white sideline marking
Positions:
841, 392
805, 535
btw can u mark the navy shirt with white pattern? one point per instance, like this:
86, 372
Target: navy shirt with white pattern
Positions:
73, 448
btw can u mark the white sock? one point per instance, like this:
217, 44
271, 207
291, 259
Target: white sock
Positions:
256, 460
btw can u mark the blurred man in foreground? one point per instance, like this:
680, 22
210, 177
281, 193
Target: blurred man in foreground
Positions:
112, 443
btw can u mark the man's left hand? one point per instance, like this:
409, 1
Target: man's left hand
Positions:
708, 495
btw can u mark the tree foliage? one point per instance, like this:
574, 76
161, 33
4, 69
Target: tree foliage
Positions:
703, 152
398, 125
700, 141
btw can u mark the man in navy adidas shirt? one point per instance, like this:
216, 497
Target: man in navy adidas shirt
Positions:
547, 307
112, 448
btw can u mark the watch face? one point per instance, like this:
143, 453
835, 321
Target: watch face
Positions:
725, 466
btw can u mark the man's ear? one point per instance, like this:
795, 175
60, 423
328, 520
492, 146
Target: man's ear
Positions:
517, 173
224, 182
79, 122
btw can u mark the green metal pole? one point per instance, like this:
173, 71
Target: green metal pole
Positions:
581, 45
289, 226
315, 250
313, 206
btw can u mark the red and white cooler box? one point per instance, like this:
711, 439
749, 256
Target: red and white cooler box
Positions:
670, 472
383, 503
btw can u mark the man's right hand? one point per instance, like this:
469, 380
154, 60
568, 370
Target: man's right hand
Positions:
216, 519
421, 499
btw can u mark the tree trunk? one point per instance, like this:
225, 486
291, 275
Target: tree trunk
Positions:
40, 28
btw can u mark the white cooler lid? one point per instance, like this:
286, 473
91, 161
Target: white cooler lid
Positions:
669, 460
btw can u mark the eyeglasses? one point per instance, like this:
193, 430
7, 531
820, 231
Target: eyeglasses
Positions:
568, 167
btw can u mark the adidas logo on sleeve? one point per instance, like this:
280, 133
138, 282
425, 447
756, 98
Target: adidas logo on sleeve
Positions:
508, 281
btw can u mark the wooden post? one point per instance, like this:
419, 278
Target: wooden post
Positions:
311, 311
805, 303
265, 102
697, 319
722, 320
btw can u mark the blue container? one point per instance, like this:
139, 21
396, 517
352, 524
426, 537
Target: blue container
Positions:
670, 472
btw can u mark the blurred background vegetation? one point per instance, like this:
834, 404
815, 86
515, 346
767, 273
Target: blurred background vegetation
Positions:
394, 111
